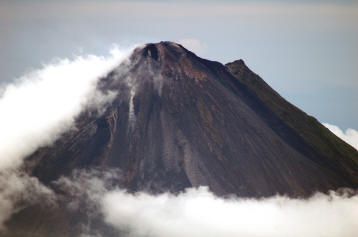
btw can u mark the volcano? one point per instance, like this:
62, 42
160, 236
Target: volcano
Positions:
180, 121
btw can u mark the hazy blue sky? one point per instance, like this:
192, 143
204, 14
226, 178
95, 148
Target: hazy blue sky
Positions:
307, 50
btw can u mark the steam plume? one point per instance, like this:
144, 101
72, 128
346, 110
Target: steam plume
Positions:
43, 104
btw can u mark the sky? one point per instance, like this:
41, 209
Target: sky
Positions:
306, 50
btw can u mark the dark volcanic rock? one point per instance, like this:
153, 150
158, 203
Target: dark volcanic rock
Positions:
180, 121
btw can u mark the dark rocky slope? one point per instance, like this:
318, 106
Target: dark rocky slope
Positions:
180, 121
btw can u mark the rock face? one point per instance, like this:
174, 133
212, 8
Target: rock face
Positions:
181, 121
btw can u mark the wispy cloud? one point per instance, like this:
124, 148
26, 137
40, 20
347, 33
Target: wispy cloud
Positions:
350, 135
193, 44
17, 190
43, 104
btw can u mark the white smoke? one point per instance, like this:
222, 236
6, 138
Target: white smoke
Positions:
197, 212
350, 135
37, 109
43, 104
193, 44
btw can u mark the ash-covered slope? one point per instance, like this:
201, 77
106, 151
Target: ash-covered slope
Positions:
180, 121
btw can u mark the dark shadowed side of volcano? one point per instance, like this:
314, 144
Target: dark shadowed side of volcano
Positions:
181, 121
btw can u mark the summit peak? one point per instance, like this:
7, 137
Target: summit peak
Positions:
160, 50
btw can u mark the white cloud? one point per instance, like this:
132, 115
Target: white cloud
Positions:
197, 212
350, 135
193, 44
43, 104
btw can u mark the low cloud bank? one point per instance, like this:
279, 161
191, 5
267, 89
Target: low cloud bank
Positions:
350, 135
197, 212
